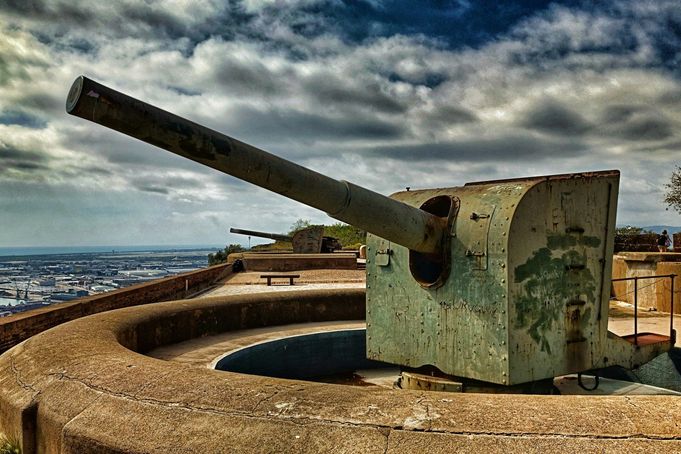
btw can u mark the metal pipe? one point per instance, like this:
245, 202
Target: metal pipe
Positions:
672, 334
636, 310
271, 236
393, 220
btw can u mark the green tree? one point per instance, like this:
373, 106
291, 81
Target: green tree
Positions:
349, 236
221, 256
630, 230
300, 224
673, 195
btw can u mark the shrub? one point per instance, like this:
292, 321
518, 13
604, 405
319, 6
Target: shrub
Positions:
9, 445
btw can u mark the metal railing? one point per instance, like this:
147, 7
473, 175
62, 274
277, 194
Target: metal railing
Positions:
671, 308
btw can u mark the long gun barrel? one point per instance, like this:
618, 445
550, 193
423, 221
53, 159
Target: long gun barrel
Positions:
271, 236
393, 220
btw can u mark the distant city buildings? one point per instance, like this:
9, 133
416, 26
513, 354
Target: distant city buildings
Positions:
29, 282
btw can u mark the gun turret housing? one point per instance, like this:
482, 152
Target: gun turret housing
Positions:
310, 240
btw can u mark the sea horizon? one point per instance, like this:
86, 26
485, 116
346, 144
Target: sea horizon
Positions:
56, 250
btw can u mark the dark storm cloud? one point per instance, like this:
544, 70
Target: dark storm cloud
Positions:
172, 181
126, 18
98, 171
645, 128
636, 123
291, 125
119, 150
448, 115
153, 189
552, 117
253, 76
619, 113
42, 101
24, 161
10, 154
670, 96
515, 148
23, 165
335, 89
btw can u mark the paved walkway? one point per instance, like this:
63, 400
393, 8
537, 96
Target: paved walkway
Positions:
621, 321
251, 282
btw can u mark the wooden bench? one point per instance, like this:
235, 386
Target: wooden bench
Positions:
269, 277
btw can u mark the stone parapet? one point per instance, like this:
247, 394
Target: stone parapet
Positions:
297, 262
653, 293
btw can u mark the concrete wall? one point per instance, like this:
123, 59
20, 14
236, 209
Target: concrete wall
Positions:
645, 242
21, 326
296, 262
83, 387
654, 293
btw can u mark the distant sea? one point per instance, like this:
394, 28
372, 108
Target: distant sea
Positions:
13, 251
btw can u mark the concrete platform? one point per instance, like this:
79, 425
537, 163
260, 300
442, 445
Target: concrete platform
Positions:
621, 321
206, 351
88, 386
251, 282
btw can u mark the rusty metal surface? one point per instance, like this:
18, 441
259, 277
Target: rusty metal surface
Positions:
417, 230
528, 290
308, 240
271, 236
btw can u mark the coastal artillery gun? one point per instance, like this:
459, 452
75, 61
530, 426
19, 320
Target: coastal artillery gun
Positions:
505, 281
309, 240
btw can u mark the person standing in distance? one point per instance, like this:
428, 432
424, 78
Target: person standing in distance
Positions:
663, 242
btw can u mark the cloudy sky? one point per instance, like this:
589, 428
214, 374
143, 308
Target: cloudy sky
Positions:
385, 94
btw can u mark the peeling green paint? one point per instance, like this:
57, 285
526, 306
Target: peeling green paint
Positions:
548, 284
568, 241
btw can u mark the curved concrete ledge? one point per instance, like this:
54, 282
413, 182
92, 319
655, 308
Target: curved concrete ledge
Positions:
86, 386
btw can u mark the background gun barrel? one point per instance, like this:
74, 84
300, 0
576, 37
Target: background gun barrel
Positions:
393, 220
271, 236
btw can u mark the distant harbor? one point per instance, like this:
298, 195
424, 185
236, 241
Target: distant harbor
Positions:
10, 302
34, 277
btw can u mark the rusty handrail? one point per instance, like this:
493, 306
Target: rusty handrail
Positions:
672, 333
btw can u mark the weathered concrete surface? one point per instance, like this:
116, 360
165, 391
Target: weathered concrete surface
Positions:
621, 320
86, 386
206, 351
316, 276
652, 293
16, 328
294, 262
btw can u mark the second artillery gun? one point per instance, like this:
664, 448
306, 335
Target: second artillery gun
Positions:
309, 240
506, 281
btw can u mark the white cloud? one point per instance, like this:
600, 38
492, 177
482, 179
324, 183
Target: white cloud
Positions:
565, 90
